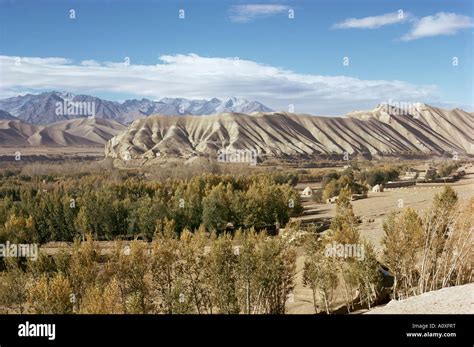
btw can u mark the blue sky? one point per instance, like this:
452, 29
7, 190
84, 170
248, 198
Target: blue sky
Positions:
281, 61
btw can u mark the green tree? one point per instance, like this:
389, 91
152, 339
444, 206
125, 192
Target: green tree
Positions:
217, 208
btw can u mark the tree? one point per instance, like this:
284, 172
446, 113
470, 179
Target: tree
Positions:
147, 211
344, 224
222, 266
432, 253
129, 265
331, 189
216, 207
439, 225
275, 271
5, 211
247, 286
191, 269
317, 196
44, 264
445, 169
402, 241
167, 286
445, 203
83, 268
320, 274
13, 287
102, 300
328, 177
18, 229
51, 295
368, 276
455, 260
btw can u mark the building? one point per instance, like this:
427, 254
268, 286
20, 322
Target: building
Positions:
377, 188
307, 192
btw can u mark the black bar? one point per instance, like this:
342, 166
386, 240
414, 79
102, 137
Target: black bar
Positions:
297, 330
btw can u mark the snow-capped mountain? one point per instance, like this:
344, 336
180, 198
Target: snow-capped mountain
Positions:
134, 109
49, 107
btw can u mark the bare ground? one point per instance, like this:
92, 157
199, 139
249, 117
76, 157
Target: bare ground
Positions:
452, 300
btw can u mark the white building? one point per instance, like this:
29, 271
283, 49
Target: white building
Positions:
307, 192
377, 188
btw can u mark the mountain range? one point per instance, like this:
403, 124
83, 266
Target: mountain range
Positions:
50, 107
177, 127
77, 132
6, 116
385, 130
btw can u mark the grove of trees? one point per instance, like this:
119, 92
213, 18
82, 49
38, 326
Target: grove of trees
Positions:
198, 273
359, 277
66, 209
432, 251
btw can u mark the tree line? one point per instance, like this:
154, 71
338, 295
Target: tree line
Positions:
199, 273
64, 210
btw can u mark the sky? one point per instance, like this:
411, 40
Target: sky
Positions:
320, 57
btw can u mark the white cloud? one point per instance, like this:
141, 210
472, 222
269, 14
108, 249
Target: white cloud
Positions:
249, 12
196, 77
441, 23
91, 63
374, 22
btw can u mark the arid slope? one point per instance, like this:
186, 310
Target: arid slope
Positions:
77, 132
382, 131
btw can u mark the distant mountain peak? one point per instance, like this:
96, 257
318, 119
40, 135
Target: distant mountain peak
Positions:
40, 108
